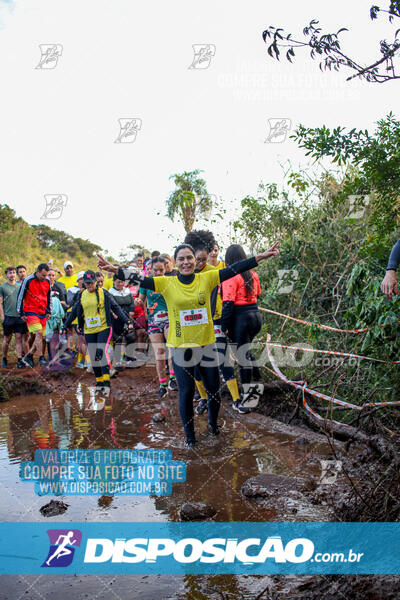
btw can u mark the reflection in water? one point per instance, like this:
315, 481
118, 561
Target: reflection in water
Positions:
225, 586
215, 472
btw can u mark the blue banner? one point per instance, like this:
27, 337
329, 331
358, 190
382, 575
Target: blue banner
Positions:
194, 548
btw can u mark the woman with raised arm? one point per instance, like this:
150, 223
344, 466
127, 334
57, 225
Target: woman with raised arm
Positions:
191, 332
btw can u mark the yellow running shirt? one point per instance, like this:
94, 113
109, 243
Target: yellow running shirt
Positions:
189, 310
68, 281
94, 316
207, 267
108, 283
218, 305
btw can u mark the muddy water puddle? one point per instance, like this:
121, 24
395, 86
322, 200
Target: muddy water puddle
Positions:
247, 446
216, 469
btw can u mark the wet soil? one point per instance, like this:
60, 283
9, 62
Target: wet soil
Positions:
68, 415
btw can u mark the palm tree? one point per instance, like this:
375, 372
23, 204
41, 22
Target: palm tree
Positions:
190, 199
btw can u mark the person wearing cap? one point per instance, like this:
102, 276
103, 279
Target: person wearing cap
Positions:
69, 279
92, 308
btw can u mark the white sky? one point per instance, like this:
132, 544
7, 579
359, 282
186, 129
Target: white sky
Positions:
124, 58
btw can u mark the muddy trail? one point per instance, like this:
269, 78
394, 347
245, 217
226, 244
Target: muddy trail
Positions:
258, 469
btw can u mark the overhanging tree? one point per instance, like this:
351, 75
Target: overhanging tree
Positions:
376, 157
327, 47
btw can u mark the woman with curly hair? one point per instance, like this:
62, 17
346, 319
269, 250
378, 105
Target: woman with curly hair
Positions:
203, 242
191, 331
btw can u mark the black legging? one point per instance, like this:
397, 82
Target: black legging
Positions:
247, 322
225, 366
119, 336
224, 363
205, 359
97, 345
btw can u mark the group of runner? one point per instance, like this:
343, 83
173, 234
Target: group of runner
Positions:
194, 308
206, 305
34, 308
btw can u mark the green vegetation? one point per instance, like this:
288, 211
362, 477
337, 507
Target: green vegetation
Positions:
21, 243
336, 232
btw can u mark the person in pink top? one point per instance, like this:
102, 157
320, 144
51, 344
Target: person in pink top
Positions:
241, 321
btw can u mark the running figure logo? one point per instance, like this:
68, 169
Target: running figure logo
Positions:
287, 279
358, 206
278, 130
203, 54
50, 53
330, 469
128, 129
62, 547
55, 204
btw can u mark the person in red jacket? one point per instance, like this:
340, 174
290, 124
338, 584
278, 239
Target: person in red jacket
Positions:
241, 320
34, 305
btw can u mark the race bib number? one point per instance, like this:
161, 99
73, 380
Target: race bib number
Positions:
160, 317
218, 331
196, 316
93, 322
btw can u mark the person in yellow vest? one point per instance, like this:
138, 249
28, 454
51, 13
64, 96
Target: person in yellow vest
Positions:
69, 279
93, 309
191, 335
70, 282
203, 242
